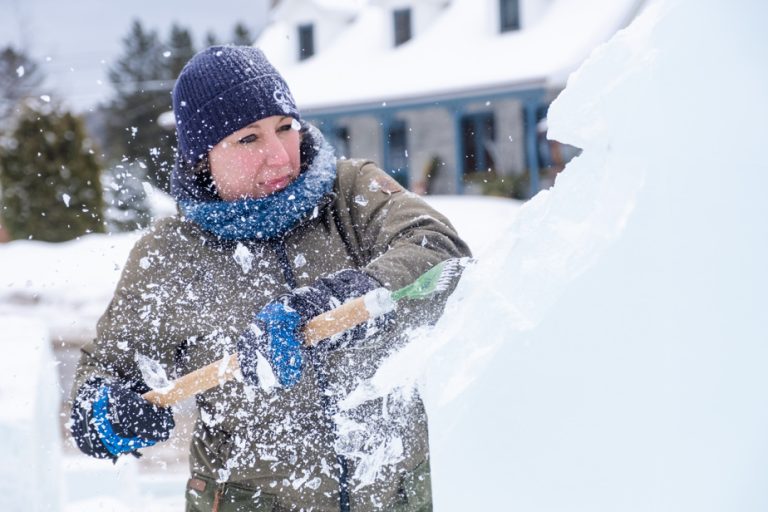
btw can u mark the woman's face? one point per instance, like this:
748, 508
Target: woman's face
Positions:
257, 160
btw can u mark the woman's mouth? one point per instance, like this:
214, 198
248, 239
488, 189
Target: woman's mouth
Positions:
277, 183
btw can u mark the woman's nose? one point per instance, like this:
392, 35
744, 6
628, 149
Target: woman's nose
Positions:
275, 153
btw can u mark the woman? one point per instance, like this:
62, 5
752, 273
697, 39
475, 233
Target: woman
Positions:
272, 231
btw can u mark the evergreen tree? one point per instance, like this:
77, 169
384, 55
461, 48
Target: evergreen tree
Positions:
20, 78
180, 48
50, 180
142, 80
211, 40
241, 35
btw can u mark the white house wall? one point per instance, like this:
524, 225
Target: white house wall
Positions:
510, 137
364, 137
430, 134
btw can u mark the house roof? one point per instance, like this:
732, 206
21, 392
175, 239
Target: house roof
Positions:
460, 52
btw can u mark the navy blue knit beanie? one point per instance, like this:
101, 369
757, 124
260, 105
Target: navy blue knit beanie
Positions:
223, 89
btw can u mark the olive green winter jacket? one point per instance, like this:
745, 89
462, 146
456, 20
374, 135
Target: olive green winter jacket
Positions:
184, 297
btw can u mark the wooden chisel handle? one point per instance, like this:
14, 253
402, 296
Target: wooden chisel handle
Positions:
323, 326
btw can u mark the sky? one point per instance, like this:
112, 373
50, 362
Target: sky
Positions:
77, 41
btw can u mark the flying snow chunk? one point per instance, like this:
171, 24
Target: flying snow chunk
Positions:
244, 258
314, 484
45, 98
20, 71
166, 54
66, 198
361, 200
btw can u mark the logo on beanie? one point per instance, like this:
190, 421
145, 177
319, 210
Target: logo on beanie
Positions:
282, 97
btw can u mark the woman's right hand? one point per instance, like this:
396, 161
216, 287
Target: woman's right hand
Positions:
109, 419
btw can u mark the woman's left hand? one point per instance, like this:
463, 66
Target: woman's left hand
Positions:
276, 330
275, 333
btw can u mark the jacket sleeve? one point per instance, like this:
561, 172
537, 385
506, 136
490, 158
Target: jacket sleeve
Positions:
398, 234
129, 322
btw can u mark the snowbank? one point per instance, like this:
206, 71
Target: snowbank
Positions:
29, 423
67, 286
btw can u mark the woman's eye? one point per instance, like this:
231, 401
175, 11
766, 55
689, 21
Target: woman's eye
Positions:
285, 127
248, 139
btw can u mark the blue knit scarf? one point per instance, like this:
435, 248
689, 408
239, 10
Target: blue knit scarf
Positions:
272, 216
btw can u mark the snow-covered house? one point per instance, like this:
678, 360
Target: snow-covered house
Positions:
453, 88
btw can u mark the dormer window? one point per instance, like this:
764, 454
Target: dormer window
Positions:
402, 24
306, 41
509, 11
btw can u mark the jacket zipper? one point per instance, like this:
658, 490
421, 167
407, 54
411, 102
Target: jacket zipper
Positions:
217, 494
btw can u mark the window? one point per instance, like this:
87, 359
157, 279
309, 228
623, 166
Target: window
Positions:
397, 151
341, 141
477, 139
402, 19
306, 41
509, 11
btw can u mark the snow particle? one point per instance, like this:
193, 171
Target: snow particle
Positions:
361, 200
243, 257
66, 198
20, 71
45, 98
299, 261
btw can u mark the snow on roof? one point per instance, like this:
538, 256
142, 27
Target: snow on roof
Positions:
290, 9
462, 51
341, 5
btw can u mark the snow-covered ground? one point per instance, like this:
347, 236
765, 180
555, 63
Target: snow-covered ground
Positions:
607, 350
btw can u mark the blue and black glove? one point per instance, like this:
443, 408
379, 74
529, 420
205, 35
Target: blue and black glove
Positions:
276, 330
109, 420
